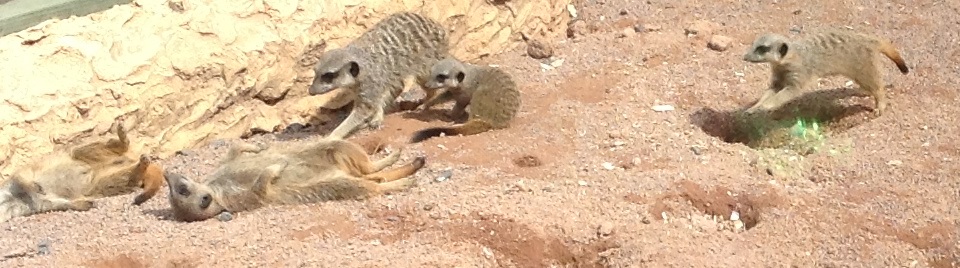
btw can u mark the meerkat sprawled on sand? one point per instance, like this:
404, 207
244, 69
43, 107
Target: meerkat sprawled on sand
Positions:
491, 93
71, 180
252, 176
389, 58
797, 65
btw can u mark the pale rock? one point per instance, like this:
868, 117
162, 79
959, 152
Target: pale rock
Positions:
605, 229
719, 42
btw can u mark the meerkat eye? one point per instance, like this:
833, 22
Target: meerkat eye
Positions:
763, 49
183, 190
205, 201
328, 76
442, 77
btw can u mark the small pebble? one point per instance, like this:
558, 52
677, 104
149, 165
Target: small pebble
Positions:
663, 108
697, 150
43, 248
627, 32
605, 229
608, 166
225, 216
651, 28
445, 175
487, 252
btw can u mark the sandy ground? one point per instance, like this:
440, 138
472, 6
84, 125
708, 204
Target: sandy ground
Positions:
591, 176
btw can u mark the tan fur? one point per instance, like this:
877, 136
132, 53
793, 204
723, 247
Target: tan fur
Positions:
389, 58
797, 65
256, 176
70, 180
491, 93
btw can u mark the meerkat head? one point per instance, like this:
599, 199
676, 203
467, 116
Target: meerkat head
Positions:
447, 73
26, 191
337, 68
191, 201
767, 48
17, 198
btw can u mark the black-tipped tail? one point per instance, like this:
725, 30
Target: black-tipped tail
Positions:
903, 67
425, 134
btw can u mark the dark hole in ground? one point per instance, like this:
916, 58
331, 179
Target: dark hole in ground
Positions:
772, 129
719, 202
511, 242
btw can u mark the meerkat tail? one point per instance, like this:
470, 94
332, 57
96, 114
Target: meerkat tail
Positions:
472, 126
887, 48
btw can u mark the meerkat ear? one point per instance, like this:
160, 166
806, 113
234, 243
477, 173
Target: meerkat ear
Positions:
460, 77
354, 69
783, 50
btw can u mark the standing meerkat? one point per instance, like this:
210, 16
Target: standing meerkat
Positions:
251, 177
797, 65
70, 180
491, 93
389, 58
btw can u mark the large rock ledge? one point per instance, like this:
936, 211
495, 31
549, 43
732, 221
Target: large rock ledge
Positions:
184, 72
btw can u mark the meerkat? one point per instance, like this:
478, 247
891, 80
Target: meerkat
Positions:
491, 93
69, 180
253, 176
391, 57
797, 65
19, 198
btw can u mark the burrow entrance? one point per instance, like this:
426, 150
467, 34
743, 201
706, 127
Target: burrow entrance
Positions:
801, 125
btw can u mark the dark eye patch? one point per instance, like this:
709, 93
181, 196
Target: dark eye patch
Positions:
763, 49
328, 76
183, 190
442, 77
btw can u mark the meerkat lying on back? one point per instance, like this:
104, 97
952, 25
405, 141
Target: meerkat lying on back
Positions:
491, 93
389, 58
252, 176
797, 65
71, 180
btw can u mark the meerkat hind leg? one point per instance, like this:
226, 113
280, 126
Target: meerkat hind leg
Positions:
386, 161
242, 147
269, 176
62, 204
871, 83
398, 173
397, 185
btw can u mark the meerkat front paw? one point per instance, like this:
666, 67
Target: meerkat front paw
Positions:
375, 122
